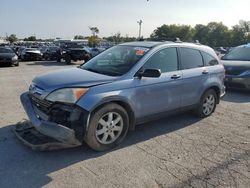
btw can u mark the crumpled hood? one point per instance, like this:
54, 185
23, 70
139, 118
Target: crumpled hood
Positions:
74, 77
229, 63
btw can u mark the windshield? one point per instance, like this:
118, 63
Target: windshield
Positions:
238, 54
115, 61
6, 50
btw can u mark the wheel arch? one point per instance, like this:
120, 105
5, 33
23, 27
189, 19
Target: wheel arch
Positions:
123, 103
217, 91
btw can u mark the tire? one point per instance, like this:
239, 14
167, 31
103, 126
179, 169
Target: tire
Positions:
68, 60
17, 64
207, 104
99, 123
87, 58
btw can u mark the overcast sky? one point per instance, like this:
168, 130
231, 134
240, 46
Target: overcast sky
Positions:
66, 18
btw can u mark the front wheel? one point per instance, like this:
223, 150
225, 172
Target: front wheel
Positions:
107, 128
207, 104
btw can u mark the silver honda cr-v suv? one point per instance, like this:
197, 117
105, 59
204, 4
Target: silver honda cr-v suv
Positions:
123, 86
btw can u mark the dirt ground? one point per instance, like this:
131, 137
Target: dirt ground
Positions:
178, 151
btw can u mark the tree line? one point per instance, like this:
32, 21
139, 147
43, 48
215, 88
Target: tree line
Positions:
213, 34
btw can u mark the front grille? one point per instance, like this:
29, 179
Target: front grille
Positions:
41, 104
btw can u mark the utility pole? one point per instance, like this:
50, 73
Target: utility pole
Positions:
139, 22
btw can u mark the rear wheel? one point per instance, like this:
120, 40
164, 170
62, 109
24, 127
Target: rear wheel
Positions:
108, 127
207, 104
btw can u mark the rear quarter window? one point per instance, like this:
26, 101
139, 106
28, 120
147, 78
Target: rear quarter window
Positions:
209, 60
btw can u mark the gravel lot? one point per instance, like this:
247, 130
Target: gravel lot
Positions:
179, 151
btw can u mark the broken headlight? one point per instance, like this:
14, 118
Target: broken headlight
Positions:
67, 95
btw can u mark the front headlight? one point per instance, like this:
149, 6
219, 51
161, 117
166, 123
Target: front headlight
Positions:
14, 58
67, 95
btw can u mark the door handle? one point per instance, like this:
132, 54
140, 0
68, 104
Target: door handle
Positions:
175, 76
205, 72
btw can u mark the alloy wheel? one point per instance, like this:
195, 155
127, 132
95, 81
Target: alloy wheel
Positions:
208, 104
109, 128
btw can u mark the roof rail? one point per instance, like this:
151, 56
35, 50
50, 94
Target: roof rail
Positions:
168, 39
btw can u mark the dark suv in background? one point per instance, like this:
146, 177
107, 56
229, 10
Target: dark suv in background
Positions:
237, 66
73, 52
8, 57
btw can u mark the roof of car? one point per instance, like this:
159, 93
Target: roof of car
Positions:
147, 44
152, 44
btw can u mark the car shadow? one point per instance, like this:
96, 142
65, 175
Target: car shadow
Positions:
52, 63
32, 169
237, 96
5, 66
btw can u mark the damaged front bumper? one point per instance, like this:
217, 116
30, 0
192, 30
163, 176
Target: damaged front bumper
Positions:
42, 134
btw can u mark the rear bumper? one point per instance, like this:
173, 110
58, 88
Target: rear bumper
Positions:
223, 92
55, 134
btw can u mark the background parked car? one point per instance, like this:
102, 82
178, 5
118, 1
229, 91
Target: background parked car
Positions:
51, 53
75, 53
95, 51
237, 66
31, 54
8, 57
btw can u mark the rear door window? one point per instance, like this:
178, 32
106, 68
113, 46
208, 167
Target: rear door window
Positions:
166, 60
190, 58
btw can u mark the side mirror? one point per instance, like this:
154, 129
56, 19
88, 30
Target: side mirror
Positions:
150, 73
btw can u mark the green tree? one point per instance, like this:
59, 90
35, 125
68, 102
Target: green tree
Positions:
169, 32
94, 30
118, 38
12, 38
218, 34
201, 33
31, 38
240, 33
93, 41
237, 36
79, 37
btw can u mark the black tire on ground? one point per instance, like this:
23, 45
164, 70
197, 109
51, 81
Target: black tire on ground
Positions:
200, 111
91, 138
58, 60
68, 60
16, 64
87, 58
